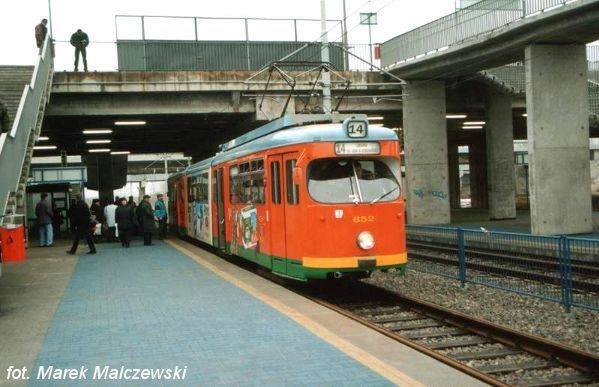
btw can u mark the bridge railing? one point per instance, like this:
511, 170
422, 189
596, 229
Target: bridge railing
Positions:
15, 144
154, 43
467, 23
554, 268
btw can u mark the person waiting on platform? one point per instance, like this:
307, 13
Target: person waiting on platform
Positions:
40, 34
109, 215
4, 118
81, 221
124, 221
45, 217
146, 213
161, 216
80, 40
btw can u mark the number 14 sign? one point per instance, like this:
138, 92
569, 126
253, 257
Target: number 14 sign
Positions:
357, 129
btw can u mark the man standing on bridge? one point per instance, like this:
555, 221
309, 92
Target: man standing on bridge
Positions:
80, 40
4, 118
40, 34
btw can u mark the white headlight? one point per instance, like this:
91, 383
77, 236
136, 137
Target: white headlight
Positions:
365, 240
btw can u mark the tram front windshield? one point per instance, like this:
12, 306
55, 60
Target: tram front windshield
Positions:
349, 180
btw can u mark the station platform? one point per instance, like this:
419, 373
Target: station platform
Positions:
174, 306
469, 218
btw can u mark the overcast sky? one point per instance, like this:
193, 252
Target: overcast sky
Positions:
97, 18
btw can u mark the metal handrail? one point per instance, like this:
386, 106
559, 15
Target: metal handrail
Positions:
14, 145
195, 19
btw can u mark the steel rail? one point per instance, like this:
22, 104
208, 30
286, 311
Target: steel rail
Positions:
505, 272
535, 260
554, 353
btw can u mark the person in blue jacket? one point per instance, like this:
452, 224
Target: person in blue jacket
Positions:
161, 216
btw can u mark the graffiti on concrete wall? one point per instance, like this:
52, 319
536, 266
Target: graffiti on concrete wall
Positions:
420, 193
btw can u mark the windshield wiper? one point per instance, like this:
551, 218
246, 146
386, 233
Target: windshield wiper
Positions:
383, 195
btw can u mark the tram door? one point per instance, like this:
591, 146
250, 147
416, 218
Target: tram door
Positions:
293, 214
276, 213
220, 208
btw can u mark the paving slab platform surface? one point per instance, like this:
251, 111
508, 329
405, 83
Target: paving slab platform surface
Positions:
175, 305
474, 219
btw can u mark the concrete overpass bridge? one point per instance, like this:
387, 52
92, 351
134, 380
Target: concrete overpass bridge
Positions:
549, 38
192, 111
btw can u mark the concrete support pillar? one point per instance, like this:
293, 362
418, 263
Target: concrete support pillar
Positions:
425, 136
558, 139
454, 175
105, 183
478, 172
500, 156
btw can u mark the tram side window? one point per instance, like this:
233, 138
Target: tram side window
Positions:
198, 188
203, 187
247, 182
191, 189
275, 182
292, 189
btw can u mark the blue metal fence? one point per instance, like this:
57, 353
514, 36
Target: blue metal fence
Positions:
554, 268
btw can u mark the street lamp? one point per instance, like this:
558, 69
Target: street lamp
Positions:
369, 18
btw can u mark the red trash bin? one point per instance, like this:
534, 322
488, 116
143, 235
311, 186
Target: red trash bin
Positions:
12, 243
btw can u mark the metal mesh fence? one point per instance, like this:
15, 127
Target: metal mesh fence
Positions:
424, 239
516, 262
584, 275
558, 269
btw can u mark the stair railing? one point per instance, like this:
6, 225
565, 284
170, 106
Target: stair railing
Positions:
16, 146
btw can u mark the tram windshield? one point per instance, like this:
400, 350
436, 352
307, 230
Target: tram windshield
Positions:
349, 180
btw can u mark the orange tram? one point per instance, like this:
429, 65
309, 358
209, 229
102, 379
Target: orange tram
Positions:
306, 196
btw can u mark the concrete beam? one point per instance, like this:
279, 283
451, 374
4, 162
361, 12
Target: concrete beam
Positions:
558, 139
425, 136
500, 156
194, 81
269, 108
119, 104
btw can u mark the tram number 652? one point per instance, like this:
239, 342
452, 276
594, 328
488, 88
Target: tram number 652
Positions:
363, 219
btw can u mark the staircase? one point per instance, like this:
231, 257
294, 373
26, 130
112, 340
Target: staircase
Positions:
12, 81
25, 91
511, 79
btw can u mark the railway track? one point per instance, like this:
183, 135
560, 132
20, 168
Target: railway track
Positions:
536, 268
493, 354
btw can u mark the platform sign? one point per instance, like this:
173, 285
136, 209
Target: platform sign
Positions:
356, 128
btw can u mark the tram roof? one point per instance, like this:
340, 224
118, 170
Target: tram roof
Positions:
286, 122
322, 128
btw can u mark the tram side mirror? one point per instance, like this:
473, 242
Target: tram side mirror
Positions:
297, 175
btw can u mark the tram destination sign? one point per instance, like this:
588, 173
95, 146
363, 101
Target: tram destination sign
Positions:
357, 148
